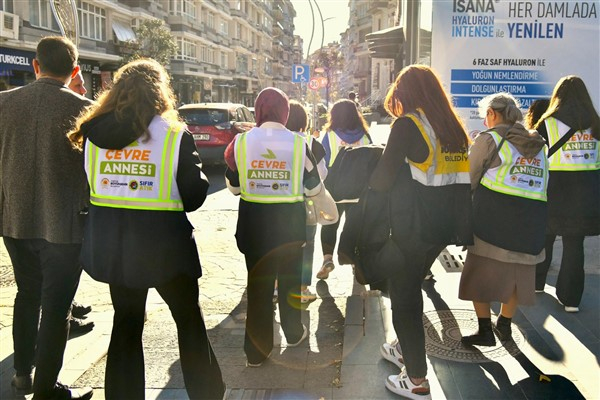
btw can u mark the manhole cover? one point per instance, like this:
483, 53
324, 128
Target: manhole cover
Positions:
443, 330
452, 258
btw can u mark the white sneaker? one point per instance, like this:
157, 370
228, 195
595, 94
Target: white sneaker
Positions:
403, 386
327, 267
306, 296
304, 336
393, 353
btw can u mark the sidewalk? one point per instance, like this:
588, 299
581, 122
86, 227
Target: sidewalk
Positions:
347, 325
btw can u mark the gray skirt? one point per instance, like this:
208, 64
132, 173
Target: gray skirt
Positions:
486, 280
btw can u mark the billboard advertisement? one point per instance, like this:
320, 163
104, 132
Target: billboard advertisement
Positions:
480, 47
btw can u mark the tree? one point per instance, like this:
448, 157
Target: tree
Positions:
331, 60
153, 40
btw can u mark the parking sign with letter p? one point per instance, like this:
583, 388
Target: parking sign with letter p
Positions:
300, 73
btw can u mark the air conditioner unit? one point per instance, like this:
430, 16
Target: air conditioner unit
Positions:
9, 25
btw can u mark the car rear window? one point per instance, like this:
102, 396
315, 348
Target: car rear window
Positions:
204, 116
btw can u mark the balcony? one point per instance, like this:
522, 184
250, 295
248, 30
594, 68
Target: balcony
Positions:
374, 5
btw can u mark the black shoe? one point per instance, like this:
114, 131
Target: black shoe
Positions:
80, 326
22, 382
79, 310
481, 338
62, 392
503, 329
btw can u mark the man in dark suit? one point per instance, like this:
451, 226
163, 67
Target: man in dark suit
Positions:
42, 202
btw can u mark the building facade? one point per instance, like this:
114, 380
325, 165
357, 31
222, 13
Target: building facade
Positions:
228, 50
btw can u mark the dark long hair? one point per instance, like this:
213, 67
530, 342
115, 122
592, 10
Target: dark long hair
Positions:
344, 116
572, 104
418, 87
534, 113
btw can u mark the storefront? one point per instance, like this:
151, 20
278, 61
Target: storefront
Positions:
92, 76
16, 68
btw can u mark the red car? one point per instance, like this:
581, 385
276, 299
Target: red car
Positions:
214, 125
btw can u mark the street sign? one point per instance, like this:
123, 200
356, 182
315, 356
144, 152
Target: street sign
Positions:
313, 84
322, 81
300, 73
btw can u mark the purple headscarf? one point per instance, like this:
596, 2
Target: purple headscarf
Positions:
272, 105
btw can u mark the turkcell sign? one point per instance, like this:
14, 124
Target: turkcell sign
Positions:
300, 73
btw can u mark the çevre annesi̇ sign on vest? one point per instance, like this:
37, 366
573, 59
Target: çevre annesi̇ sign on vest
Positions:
271, 165
140, 176
579, 153
517, 175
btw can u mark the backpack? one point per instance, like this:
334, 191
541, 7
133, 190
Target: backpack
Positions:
349, 175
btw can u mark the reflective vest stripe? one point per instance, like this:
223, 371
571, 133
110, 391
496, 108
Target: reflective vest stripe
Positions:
167, 164
424, 166
93, 155
146, 204
335, 143
240, 147
495, 178
297, 174
559, 161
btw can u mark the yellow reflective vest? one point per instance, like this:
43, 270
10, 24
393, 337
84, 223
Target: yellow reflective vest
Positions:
442, 167
270, 164
579, 153
517, 175
140, 176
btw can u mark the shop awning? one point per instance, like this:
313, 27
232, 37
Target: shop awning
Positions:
123, 32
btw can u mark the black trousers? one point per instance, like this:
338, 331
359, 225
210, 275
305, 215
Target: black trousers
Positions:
125, 360
571, 276
47, 275
284, 264
406, 299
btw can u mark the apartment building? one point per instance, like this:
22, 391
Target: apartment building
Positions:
228, 50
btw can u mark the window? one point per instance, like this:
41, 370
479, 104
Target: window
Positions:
224, 60
238, 31
203, 53
40, 15
182, 7
242, 64
7, 5
211, 56
224, 28
187, 50
92, 21
210, 20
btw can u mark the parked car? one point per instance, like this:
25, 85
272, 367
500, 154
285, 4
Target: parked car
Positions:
214, 125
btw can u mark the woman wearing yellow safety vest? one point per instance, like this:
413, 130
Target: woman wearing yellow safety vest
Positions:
572, 128
425, 170
143, 174
271, 168
509, 172
346, 126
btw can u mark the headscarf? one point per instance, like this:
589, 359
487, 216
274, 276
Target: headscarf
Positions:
271, 105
